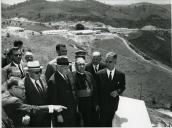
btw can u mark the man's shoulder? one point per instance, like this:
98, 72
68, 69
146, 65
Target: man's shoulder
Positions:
103, 71
9, 100
119, 72
7, 66
53, 62
102, 65
89, 64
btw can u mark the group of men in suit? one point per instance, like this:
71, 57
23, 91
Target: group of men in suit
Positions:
90, 92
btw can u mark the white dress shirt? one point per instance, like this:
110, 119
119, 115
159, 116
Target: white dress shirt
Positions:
96, 67
112, 73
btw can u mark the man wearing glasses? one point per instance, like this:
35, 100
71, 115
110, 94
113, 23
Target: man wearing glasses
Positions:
16, 109
36, 92
110, 83
16, 61
61, 91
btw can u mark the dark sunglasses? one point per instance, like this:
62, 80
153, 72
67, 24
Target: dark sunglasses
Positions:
38, 72
18, 55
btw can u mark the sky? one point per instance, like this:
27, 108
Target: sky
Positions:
113, 2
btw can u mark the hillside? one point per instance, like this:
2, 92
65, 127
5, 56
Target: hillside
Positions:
4, 6
135, 15
155, 44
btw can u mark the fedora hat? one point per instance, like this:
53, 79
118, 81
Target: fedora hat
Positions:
33, 65
62, 60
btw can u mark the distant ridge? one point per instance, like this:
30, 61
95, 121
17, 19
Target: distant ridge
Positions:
131, 16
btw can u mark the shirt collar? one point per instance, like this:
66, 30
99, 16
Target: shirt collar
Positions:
96, 66
112, 72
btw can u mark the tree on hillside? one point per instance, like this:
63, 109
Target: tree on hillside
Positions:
79, 27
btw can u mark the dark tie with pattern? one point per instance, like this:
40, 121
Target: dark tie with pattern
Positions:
38, 87
110, 76
22, 74
96, 68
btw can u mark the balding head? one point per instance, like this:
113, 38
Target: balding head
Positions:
80, 60
96, 53
96, 57
80, 65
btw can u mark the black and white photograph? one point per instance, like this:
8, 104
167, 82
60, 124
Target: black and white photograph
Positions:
86, 63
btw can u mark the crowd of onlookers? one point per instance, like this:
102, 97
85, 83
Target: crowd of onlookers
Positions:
68, 94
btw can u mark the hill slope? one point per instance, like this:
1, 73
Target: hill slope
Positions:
136, 15
155, 44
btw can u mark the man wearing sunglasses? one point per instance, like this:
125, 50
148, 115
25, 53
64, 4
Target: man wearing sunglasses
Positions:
16, 61
36, 92
110, 83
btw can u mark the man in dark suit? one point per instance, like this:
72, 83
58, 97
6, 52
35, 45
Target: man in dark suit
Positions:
16, 61
16, 109
36, 92
51, 67
110, 84
95, 65
60, 91
86, 92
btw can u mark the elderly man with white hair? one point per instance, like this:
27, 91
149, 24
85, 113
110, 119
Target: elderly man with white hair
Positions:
28, 56
86, 92
95, 65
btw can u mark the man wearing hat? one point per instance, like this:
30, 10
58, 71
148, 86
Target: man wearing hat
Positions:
60, 91
51, 67
36, 91
79, 53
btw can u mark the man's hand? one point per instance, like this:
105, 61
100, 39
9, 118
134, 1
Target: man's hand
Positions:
59, 108
97, 108
26, 120
114, 94
60, 119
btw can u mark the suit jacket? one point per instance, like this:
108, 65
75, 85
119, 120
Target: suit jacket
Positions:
60, 92
13, 65
33, 97
16, 109
105, 87
51, 68
89, 68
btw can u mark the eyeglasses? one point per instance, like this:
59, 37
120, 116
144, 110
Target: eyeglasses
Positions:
17, 55
109, 61
39, 72
19, 87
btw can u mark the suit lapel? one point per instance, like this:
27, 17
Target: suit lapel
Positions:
32, 85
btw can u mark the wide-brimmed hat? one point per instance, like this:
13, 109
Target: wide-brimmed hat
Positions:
62, 60
80, 53
33, 65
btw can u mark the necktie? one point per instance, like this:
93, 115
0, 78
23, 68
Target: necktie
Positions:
110, 76
22, 74
38, 87
96, 69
